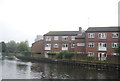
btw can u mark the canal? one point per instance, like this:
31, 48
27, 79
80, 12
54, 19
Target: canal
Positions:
17, 69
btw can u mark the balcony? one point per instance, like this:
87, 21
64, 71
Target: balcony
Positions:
64, 48
47, 48
102, 49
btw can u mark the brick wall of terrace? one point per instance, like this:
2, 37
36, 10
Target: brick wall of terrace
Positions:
38, 46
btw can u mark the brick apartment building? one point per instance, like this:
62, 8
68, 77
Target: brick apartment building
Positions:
55, 41
95, 41
102, 41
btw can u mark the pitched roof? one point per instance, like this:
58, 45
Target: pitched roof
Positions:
103, 29
61, 33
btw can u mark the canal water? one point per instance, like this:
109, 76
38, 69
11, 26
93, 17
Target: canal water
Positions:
17, 69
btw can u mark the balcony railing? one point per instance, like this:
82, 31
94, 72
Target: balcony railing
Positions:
102, 49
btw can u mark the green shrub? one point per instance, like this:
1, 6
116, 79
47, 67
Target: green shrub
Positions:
59, 55
69, 55
20, 54
51, 53
65, 55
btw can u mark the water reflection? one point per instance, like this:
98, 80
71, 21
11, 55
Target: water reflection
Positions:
15, 69
72, 72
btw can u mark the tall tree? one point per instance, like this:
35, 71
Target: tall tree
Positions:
23, 46
11, 47
3, 47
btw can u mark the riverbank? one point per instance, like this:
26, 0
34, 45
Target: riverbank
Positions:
86, 64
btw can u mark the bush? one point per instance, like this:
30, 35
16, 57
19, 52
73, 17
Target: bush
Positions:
65, 55
60, 55
51, 53
69, 55
20, 54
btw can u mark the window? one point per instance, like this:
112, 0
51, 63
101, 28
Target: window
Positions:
90, 54
48, 47
102, 46
64, 38
114, 45
91, 44
55, 37
72, 45
55, 45
102, 35
80, 44
48, 38
64, 45
91, 35
73, 37
115, 35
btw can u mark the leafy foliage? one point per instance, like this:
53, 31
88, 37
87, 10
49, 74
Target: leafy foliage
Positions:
65, 55
3, 47
23, 46
13, 47
20, 54
51, 53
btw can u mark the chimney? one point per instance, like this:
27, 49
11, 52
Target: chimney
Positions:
80, 29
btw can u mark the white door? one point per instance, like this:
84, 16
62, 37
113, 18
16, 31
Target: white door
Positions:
102, 56
46, 55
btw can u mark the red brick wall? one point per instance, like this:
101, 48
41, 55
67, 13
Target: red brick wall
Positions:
109, 40
79, 48
60, 42
38, 46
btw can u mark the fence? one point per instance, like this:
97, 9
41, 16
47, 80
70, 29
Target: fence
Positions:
110, 58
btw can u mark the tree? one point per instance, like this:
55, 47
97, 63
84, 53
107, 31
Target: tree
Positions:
3, 47
23, 46
11, 47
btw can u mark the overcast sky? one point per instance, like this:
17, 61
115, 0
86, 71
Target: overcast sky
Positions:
24, 19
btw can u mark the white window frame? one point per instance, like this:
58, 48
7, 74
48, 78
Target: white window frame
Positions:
55, 45
102, 35
91, 35
64, 38
48, 38
47, 46
73, 45
73, 37
64, 46
102, 46
115, 35
114, 45
80, 44
56, 38
90, 44
90, 54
